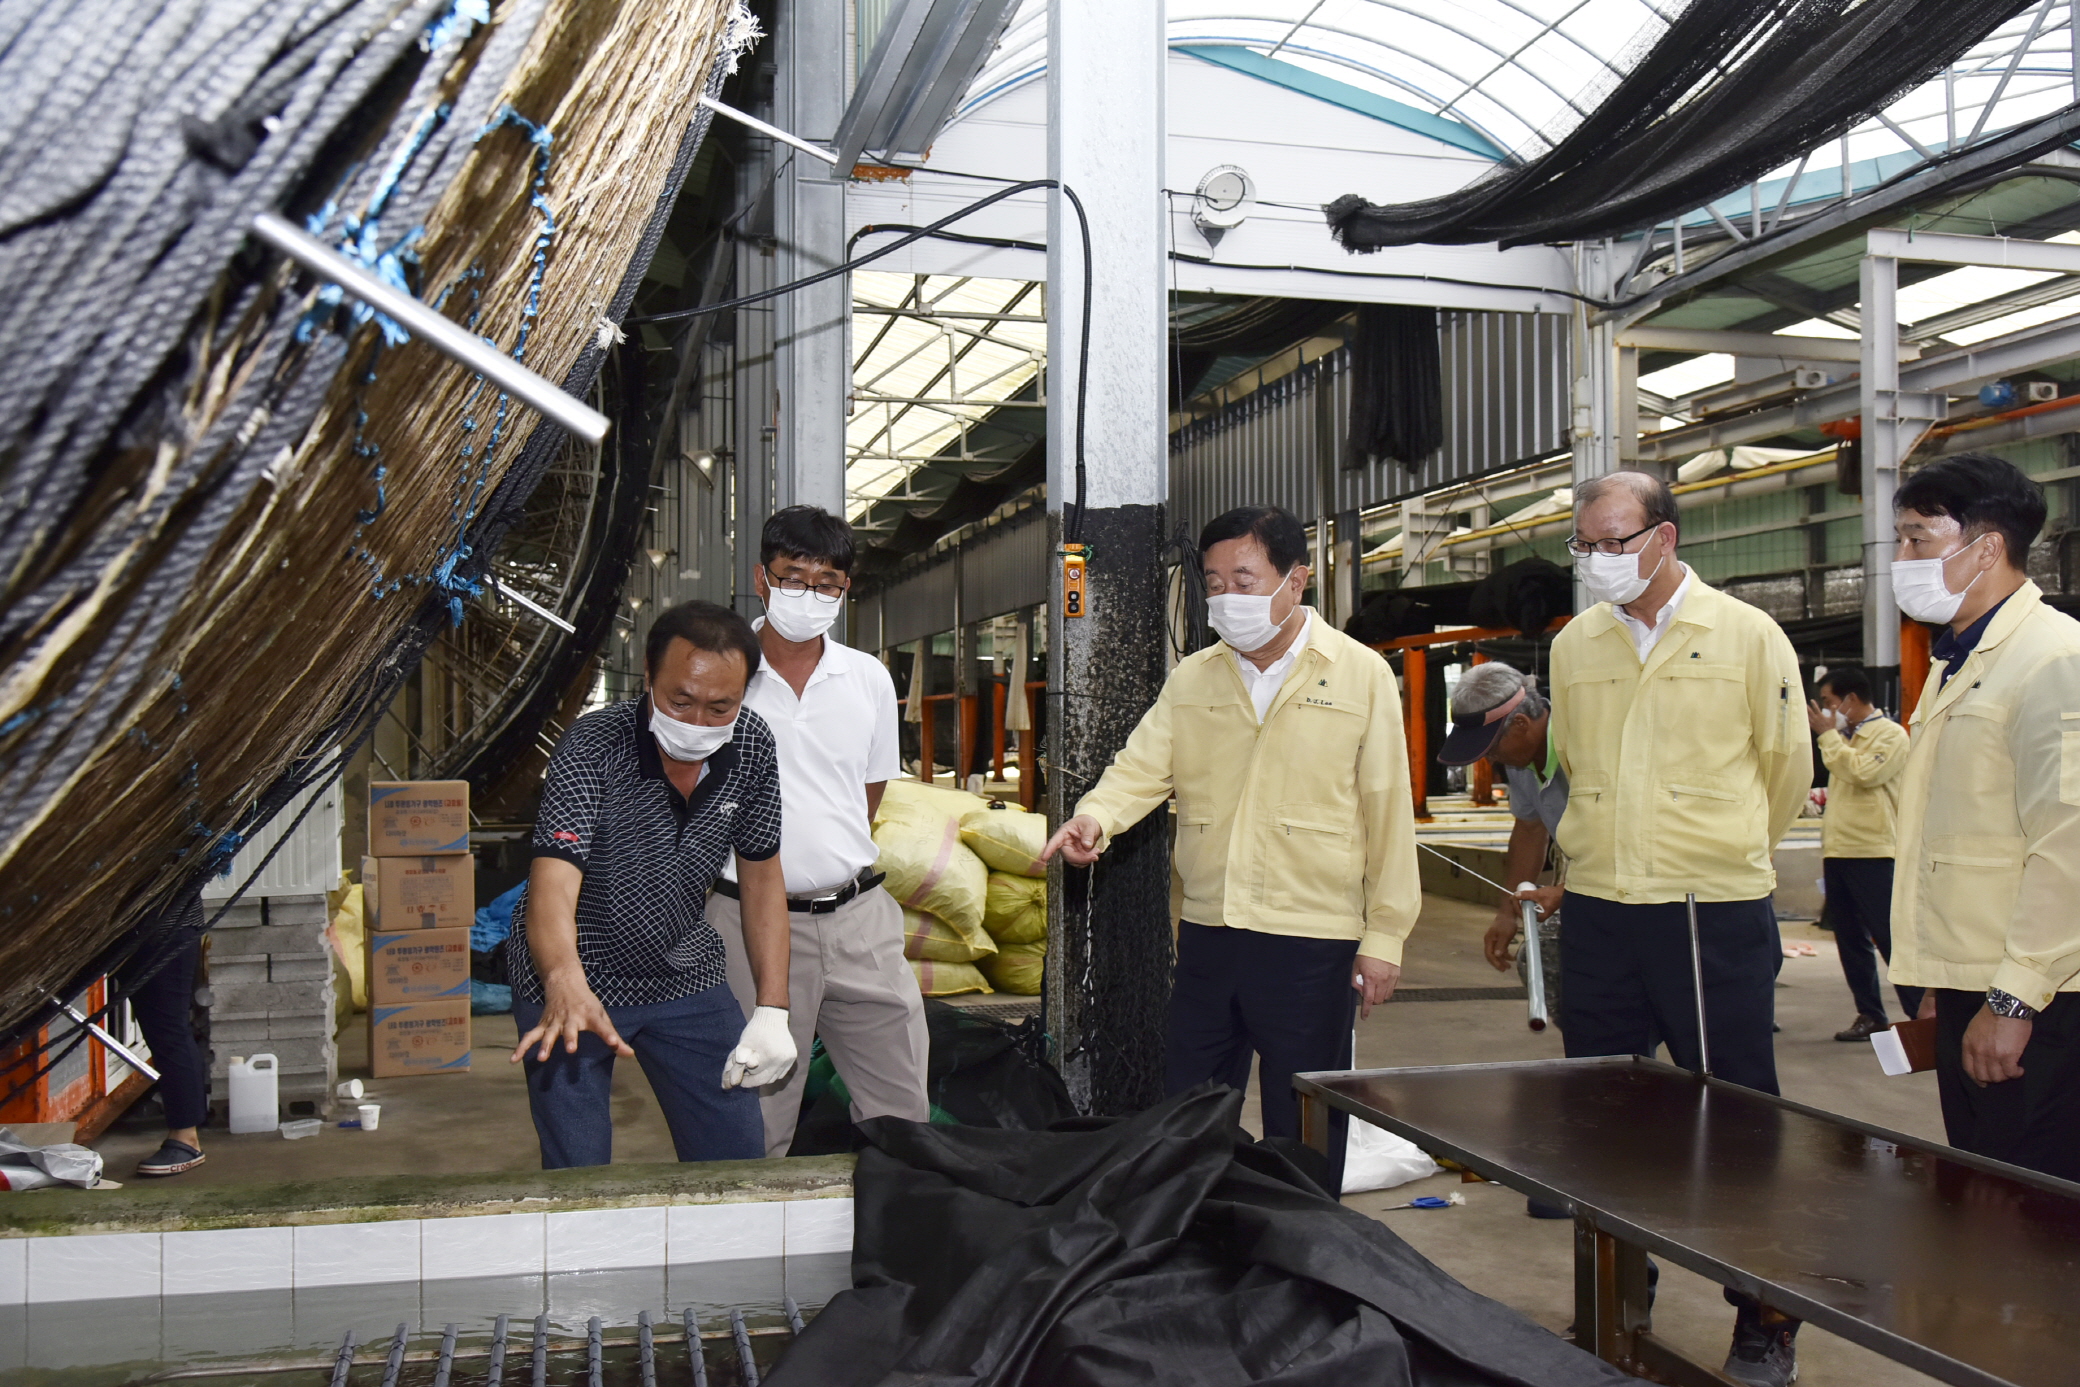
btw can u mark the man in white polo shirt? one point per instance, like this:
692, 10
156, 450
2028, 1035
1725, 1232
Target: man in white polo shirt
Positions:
832, 711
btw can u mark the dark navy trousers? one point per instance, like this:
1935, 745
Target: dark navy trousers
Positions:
1285, 1001
1859, 906
1625, 983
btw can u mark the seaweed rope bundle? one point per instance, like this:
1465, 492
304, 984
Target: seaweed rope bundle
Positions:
195, 435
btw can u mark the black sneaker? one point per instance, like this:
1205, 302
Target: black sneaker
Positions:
172, 1158
1862, 1028
1762, 1355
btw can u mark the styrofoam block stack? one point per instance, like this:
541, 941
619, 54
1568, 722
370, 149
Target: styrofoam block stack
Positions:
271, 992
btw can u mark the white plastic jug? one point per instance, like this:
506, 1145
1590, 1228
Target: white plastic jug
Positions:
255, 1094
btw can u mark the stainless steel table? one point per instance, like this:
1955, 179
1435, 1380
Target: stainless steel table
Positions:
1962, 1268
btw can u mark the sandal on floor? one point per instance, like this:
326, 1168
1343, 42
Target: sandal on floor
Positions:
172, 1158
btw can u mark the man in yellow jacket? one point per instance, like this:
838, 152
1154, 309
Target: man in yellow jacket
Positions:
1987, 907
1678, 716
1864, 752
1295, 830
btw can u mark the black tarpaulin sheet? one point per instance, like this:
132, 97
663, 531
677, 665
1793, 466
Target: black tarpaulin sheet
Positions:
1163, 1248
1731, 90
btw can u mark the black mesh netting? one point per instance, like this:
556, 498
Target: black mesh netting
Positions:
1731, 90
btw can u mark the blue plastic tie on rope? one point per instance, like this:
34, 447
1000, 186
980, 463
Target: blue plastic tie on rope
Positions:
19, 720
459, 22
457, 587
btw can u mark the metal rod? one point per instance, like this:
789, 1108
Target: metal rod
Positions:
693, 1348
593, 1371
395, 1365
1534, 958
122, 1051
1466, 869
521, 599
447, 1363
343, 1360
772, 131
646, 1348
541, 1351
744, 1358
1704, 1049
494, 1375
439, 332
794, 1311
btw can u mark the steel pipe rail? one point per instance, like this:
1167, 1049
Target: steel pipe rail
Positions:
441, 333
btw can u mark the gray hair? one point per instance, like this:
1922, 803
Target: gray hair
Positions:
1652, 493
1490, 686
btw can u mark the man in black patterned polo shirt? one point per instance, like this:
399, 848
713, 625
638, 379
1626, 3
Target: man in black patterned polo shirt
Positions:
643, 804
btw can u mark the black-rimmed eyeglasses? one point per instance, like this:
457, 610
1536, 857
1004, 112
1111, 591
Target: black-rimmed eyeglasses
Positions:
828, 592
1582, 548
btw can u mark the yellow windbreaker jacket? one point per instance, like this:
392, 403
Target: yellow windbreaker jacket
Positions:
1302, 826
1862, 788
1685, 771
1989, 815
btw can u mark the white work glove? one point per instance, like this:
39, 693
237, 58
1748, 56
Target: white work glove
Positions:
764, 1053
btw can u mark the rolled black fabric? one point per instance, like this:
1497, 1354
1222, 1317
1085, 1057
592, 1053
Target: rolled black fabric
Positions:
1161, 1248
1731, 90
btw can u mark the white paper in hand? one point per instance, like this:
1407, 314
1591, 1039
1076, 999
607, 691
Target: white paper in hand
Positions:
764, 1053
1375, 1159
1892, 1056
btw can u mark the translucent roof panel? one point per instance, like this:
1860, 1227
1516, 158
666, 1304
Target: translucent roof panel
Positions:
1522, 72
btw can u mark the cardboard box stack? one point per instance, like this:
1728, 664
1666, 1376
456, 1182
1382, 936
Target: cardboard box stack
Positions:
420, 885
271, 992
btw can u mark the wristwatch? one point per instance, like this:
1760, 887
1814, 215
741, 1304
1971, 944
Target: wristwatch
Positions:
2007, 1004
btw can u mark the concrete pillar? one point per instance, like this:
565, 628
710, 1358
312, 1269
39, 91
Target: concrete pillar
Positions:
812, 362
1109, 955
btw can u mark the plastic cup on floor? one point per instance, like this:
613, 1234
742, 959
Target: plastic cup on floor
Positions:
371, 1114
351, 1090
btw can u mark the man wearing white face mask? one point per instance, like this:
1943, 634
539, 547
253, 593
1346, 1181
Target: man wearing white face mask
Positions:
1989, 816
1295, 828
833, 715
1687, 758
643, 802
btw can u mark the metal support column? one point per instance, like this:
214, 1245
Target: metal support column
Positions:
1109, 946
813, 367
1886, 439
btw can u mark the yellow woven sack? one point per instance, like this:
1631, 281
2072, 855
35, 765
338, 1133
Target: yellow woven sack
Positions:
947, 979
1009, 840
931, 939
928, 866
909, 795
1017, 968
1014, 909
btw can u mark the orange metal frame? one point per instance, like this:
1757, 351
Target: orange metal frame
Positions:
87, 1100
1415, 715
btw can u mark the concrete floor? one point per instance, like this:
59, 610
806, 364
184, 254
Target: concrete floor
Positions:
478, 1122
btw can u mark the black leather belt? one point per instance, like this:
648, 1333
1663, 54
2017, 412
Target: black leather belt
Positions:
866, 881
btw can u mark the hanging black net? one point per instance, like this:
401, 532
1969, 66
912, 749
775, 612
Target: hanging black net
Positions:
1730, 90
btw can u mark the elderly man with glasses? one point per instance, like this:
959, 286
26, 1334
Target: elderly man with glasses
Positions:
833, 715
1679, 718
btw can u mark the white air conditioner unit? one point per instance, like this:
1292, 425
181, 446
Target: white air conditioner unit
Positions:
2039, 391
1810, 378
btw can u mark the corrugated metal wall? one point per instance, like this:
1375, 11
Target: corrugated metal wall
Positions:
1508, 398
309, 862
999, 571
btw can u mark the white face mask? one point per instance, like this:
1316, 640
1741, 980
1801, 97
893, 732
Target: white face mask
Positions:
799, 616
1919, 588
684, 741
1243, 621
1614, 578
1841, 721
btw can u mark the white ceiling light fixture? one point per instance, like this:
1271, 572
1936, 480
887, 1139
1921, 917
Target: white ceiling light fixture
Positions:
1224, 199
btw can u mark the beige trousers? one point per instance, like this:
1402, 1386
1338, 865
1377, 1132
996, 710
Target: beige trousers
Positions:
848, 982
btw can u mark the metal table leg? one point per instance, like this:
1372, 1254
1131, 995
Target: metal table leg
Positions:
1314, 1122
1612, 1316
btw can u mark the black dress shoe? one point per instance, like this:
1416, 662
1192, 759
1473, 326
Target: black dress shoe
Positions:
1862, 1028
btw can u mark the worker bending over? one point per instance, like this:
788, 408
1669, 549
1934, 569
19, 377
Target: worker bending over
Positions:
1864, 752
643, 802
1677, 711
832, 711
1989, 816
1498, 713
1295, 829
